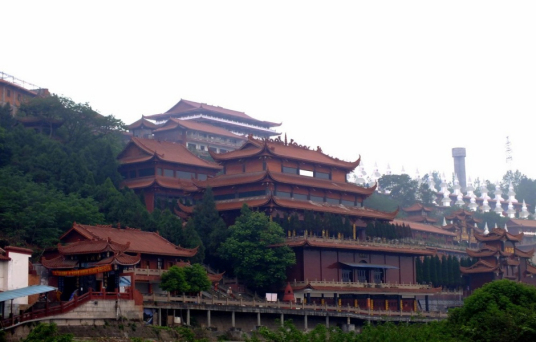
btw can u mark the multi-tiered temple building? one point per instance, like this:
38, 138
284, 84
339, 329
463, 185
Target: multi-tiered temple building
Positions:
336, 263
202, 128
499, 258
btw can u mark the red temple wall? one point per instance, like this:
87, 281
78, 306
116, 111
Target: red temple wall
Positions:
234, 168
329, 264
338, 176
273, 165
254, 165
311, 264
323, 264
392, 275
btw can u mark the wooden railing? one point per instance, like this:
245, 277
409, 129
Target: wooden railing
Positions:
360, 285
63, 307
239, 302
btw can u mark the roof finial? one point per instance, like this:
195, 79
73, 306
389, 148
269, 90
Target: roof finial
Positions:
285, 139
486, 230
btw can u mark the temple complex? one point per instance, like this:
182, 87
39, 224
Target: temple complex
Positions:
162, 170
101, 257
499, 258
304, 190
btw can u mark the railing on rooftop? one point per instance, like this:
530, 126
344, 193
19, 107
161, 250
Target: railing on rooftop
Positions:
17, 81
233, 122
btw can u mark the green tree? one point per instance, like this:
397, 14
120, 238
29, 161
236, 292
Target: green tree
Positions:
210, 227
255, 249
196, 277
502, 310
174, 280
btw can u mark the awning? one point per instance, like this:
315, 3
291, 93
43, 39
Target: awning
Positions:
25, 291
361, 265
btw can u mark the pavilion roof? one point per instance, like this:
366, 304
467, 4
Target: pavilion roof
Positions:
524, 254
284, 178
166, 151
274, 201
184, 107
480, 266
120, 259
140, 241
354, 245
483, 252
423, 227
143, 122
281, 149
92, 246
530, 270
59, 262
164, 182
498, 234
461, 215
417, 207
197, 126
420, 218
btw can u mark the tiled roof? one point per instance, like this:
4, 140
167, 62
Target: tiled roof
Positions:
479, 267
285, 178
140, 241
214, 278
197, 126
531, 270
167, 151
333, 208
142, 123
232, 179
165, 182
497, 234
420, 218
20, 250
320, 183
234, 204
22, 89
185, 107
276, 147
424, 227
522, 223
417, 206
59, 262
483, 252
92, 246
341, 244
120, 259
522, 254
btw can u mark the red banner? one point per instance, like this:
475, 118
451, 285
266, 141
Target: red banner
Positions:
84, 272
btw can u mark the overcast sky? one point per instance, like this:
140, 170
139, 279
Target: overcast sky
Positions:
397, 82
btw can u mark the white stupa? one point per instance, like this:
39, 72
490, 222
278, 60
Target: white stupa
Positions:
498, 199
524, 214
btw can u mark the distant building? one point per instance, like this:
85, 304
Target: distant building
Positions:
14, 92
163, 170
202, 127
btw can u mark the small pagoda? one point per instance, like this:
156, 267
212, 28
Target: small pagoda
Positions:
464, 224
419, 213
498, 258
